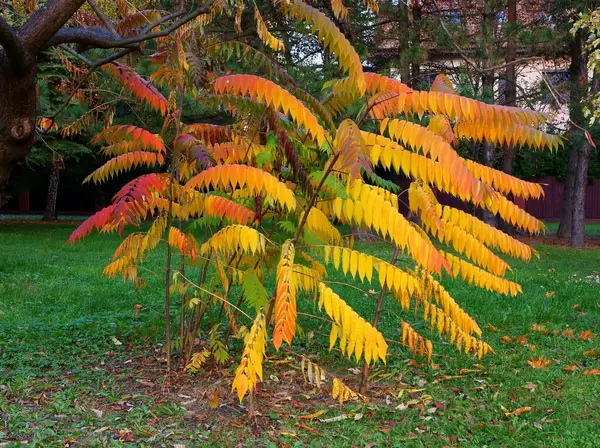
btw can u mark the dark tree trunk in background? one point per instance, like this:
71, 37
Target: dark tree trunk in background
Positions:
487, 84
566, 220
18, 79
50, 212
579, 183
575, 183
403, 43
510, 82
18, 105
416, 41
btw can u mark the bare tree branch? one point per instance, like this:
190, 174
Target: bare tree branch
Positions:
19, 59
46, 21
104, 18
93, 37
97, 39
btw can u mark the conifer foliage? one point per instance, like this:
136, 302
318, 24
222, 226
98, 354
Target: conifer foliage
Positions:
255, 203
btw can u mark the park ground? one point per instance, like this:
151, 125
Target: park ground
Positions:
81, 363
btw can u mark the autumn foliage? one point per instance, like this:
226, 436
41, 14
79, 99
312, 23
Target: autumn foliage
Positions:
260, 201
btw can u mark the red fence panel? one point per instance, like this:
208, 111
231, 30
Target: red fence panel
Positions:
550, 207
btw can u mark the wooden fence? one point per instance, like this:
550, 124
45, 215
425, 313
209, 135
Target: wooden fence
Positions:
547, 208
550, 207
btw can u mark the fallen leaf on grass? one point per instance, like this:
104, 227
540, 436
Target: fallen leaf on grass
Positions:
550, 294
339, 418
539, 363
586, 335
214, 400
314, 415
517, 411
570, 368
594, 372
492, 327
531, 387
522, 340
506, 339
568, 333
540, 328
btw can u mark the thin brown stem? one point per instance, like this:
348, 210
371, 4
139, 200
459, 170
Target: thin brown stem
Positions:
365, 368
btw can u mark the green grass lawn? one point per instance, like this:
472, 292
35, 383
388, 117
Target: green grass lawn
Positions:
79, 368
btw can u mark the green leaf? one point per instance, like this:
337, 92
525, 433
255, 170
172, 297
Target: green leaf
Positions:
254, 292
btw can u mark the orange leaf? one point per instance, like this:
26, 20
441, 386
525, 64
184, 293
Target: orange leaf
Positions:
539, 363
214, 400
518, 411
586, 335
595, 372
570, 368
568, 333
540, 328
592, 352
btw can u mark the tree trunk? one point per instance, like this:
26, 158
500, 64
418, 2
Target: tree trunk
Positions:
579, 184
566, 220
18, 103
416, 42
487, 85
510, 82
578, 72
50, 212
403, 43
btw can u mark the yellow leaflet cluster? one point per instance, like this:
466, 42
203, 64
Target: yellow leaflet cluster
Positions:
197, 361
488, 235
388, 153
343, 393
422, 204
511, 213
431, 290
509, 134
437, 148
333, 40
354, 262
442, 83
210, 205
358, 190
255, 180
318, 223
271, 94
441, 126
232, 238
250, 368
339, 10
265, 35
445, 325
306, 279
456, 107
481, 278
415, 342
378, 214
186, 244
123, 163
285, 297
132, 249
350, 147
505, 183
357, 336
